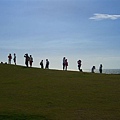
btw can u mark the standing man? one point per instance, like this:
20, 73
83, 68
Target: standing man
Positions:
64, 63
14, 59
41, 63
26, 59
31, 60
47, 64
9, 58
100, 68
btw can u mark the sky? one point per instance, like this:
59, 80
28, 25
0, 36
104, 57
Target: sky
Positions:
88, 30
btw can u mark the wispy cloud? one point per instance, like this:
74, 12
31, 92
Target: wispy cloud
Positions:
98, 16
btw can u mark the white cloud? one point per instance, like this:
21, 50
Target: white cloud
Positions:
98, 16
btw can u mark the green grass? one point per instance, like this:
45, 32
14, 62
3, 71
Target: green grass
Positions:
36, 94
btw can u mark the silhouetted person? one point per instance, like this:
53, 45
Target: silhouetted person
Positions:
93, 68
41, 64
47, 64
79, 65
14, 59
9, 58
31, 60
26, 59
100, 68
64, 63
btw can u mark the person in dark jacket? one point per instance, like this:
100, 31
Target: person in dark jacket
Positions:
93, 68
26, 59
14, 59
66, 64
9, 58
79, 65
47, 64
100, 68
41, 64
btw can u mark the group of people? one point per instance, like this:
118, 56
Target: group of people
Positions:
65, 64
46, 66
10, 58
100, 69
29, 61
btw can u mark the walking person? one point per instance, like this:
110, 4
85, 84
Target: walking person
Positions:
79, 65
14, 59
66, 64
41, 64
100, 68
31, 60
26, 59
63, 63
9, 58
47, 64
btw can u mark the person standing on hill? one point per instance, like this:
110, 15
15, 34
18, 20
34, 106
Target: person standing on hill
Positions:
14, 59
9, 58
100, 68
47, 64
66, 64
41, 64
31, 60
63, 63
26, 59
93, 68
79, 64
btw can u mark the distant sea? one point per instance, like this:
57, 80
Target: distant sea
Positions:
106, 71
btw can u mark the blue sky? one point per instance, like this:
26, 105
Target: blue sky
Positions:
77, 29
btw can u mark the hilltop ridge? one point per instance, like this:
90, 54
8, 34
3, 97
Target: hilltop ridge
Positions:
39, 94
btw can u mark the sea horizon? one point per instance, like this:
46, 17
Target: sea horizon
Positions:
106, 71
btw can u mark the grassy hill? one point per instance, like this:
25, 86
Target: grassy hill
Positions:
36, 94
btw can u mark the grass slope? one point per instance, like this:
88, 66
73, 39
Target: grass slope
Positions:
36, 94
